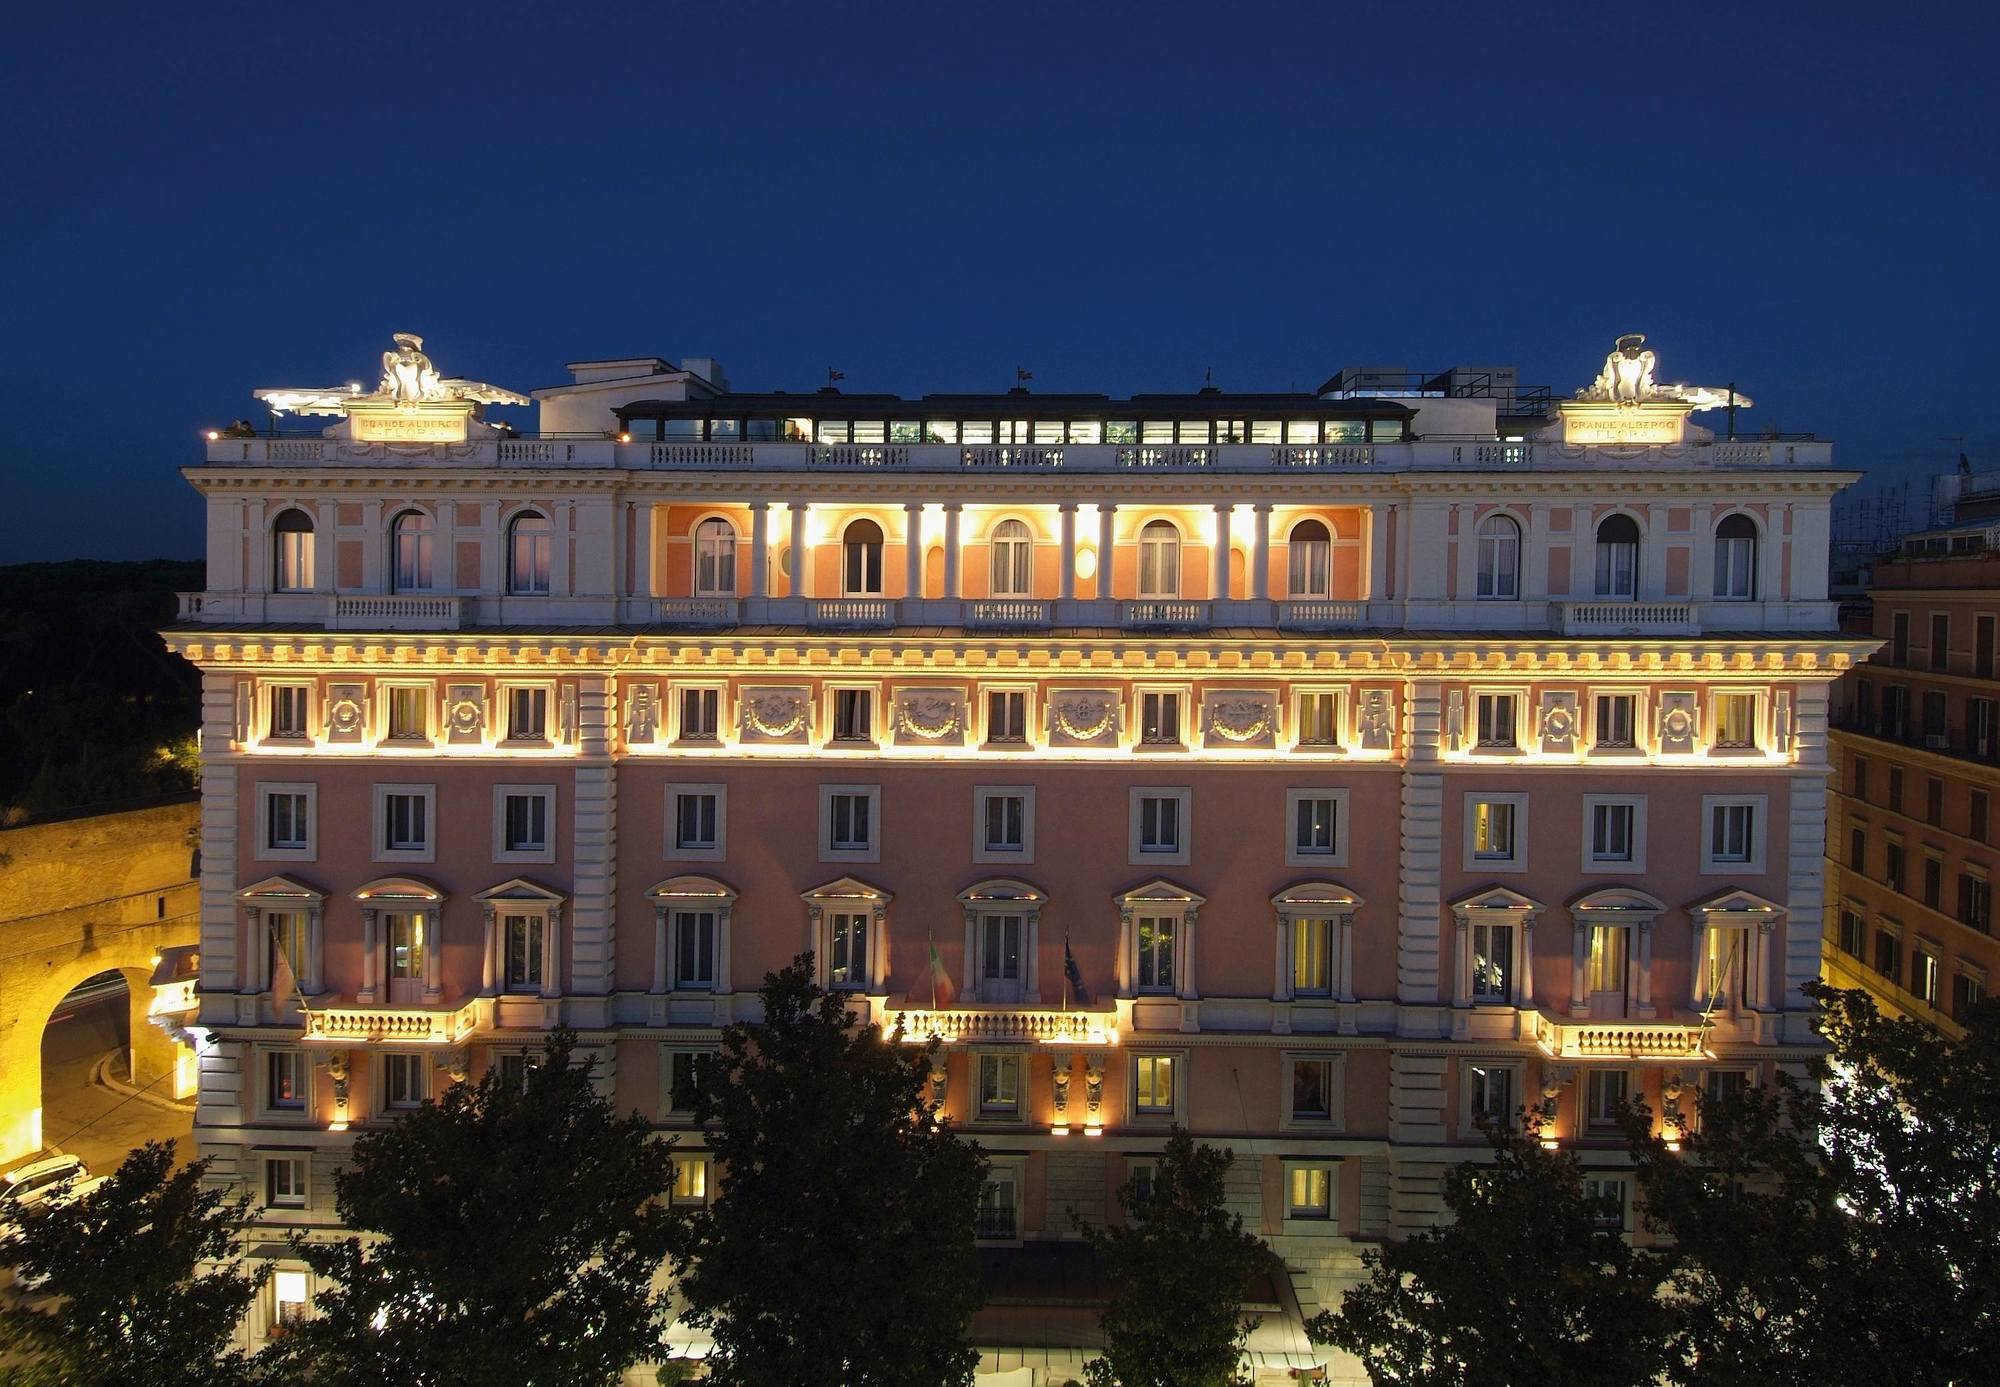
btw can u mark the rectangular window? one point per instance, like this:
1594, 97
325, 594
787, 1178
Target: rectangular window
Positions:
1940, 651
683, 1077
290, 712
1496, 720
1896, 789
1612, 1193
409, 713
524, 821
1967, 992
1857, 777
693, 950
1490, 1095
527, 715
1493, 963
1606, 1096
1616, 720
1933, 880
1981, 724
1736, 722
1156, 938
1315, 824
1312, 957
285, 1080
1982, 647
1934, 802
288, 820
1733, 836
1007, 717
285, 1182
1309, 1192
1493, 837
695, 819
1612, 834
851, 826
1896, 712
405, 821
999, 1217
1975, 902
1319, 719
698, 711
1924, 976
1888, 955
524, 938
1937, 735
1853, 933
515, 1066
1159, 718
847, 951
1153, 1085
1005, 823
1159, 823
405, 1080
1976, 808
1892, 865
1313, 1090
690, 1179
854, 715
286, 930
999, 1085
1899, 639
1002, 946
1857, 848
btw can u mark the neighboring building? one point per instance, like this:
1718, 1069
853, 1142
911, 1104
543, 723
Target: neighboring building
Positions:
1911, 858
1382, 757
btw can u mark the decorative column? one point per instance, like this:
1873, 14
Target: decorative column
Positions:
760, 547
659, 947
1260, 554
1524, 987
1218, 558
970, 992
1760, 981
801, 565
1464, 555
1535, 556
255, 972
1107, 516
1645, 988
722, 914
1579, 950
489, 973
1378, 552
1653, 555
1125, 951
951, 584
1066, 590
1701, 560
913, 550
1695, 999
1770, 552
552, 958
370, 955
433, 938
1347, 956
1281, 986
1188, 989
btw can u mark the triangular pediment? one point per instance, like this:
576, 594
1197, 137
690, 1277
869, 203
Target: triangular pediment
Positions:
1497, 898
281, 889
847, 889
519, 889
1160, 891
1737, 902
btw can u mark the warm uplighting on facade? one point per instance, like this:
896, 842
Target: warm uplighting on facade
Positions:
1086, 563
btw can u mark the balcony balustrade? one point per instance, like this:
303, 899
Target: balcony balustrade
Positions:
1003, 1023
393, 1024
1170, 614
1635, 1040
1321, 616
1624, 618
852, 611
395, 612
1008, 614
697, 611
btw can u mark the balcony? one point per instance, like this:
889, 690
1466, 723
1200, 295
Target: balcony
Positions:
1008, 614
696, 611
1321, 616
1632, 1040
1625, 618
394, 1025
852, 612
1163, 614
395, 612
1002, 1023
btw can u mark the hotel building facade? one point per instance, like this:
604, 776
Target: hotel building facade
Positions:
1382, 757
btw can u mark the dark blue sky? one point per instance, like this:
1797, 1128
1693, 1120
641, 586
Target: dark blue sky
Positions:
201, 200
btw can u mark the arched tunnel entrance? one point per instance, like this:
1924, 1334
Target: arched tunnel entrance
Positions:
109, 1073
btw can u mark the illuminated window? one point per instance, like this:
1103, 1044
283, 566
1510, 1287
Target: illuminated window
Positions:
861, 560
1617, 556
405, 933
285, 1074
698, 714
1153, 1085
1613, 1196
847, 951
854, 715
1319, 719
527, 713
414, 542
1616, 720
1924, 975
1492, 964
287, 932
1499, 544
523, 942
1312, 956
1495, 829
1159, 718
409, 712
292, 552
1002, 940
1159, 560
1156, 936
288, 1301
290, 712
1496, 721
1736, 558
1735, 721
1309, 1192
714, 559
1011, 557
999, 1085
529, 544
1006, 716
285, 1182
1310, 553
690, 1179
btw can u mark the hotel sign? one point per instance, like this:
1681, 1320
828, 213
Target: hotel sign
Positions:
1624, 426
432, 425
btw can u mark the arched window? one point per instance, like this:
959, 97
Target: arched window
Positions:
861, 560
1012, 556
1499, 558
1311, 553
1159, 560
413, 536
1618, 557
714, 559
292, 552
528, 545
1736, 558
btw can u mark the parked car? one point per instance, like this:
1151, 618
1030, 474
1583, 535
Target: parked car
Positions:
38, 1182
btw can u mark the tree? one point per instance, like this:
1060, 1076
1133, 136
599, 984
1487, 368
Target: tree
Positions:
513, 1232
1529, 1283
148, 1285
839, 1249
1815, 1227
1180, 1264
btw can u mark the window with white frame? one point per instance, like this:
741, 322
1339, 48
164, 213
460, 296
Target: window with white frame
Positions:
1139, 1173
527, 712
1315, 947
1617, 556
524, 947
1310, 1188
1733, 832
853, 719
1613, 1194
1309, 560
1156, 936
1497, 729
1160, 827
1926, 976
690, 1177
292, 552
849, 828
285, 1182
1156, 1087
289, 1302
999, 1095
697, 822
1003, 823
714, 559
681, 1070
1313, 1089
413, 538
1499, 559
1159, 718
408, 712
1735, 721
999, 1216
1606, 1093
1003, 950
530, 550
1736, 558
1723, 1085
1011, 554
405, 819
1492, 963
286, 1081
287, 712
861, 559
1615, 722
847, 945
1006, 717
287, 821
1496, 838
406, 1080
1614, 833
1316, 824
698, 707
524, 823
1159, 560
1318, 719
288, 934
1492, 1095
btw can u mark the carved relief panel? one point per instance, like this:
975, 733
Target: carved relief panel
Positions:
1678, 722
1375, 721
464, 714
1559, 722
777, 715
642, 714
1239, 718
928, 717
1085, 717
346, 713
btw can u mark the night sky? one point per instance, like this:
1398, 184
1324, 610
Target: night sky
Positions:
202, 200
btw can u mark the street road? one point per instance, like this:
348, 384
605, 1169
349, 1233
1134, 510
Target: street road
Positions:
88, 1120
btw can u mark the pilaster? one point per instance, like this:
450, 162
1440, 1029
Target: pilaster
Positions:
594, 852
1418, 909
